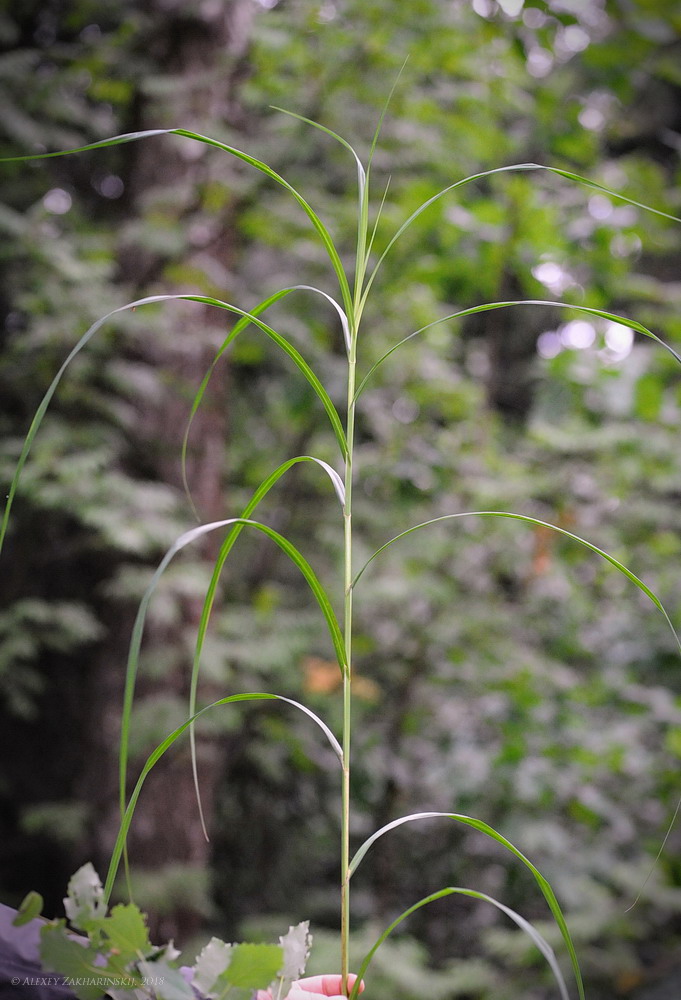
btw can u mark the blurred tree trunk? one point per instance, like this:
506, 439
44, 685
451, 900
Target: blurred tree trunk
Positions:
200, 55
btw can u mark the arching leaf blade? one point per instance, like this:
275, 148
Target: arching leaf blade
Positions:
539, 523
361, 175
490, 832
659, 854
115, 140
187, 538
513, 167
225, 548
45, 402
363, 207
307, 208
239, 154
138, 628
489, 306
542, 945
288, 348
579, 179
242, 324
165, 745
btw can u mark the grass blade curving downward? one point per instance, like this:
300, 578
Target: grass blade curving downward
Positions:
225, 549
488, 306
543, 524
361, 175
489, 831
541, 943
253, 161
282, 342
362, 206
156, 755
577, 178
205, 300
238, 328
138, 629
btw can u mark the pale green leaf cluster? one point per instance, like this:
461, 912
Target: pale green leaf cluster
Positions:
117, 957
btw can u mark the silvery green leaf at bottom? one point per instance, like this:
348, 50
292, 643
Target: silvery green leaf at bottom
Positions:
296, 945
210, 965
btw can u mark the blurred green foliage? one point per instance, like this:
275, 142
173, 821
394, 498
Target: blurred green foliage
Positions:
504, 672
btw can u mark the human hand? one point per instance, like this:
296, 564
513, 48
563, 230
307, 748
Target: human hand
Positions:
315, 988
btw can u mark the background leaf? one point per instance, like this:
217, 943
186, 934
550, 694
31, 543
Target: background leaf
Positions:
126, 932
30, 908
59, 952
254, 966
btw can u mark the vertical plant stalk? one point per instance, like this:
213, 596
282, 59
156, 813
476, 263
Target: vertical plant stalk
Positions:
347, 666
354, 316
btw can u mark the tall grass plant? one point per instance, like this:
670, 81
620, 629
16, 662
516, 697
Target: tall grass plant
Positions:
348, 304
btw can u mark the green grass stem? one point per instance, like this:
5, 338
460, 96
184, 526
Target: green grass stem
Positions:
354, 293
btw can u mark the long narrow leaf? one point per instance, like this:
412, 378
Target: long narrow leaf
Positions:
138, 628
225, 549
657, 856
384, 111
379, 213
364, 246
159, 751
501, 170
488, 306
363, 206
542, 524
601, 187
311, 214
241, 325
205, 300
361, 175
542, 944
489, 831
118, 140
287, 347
